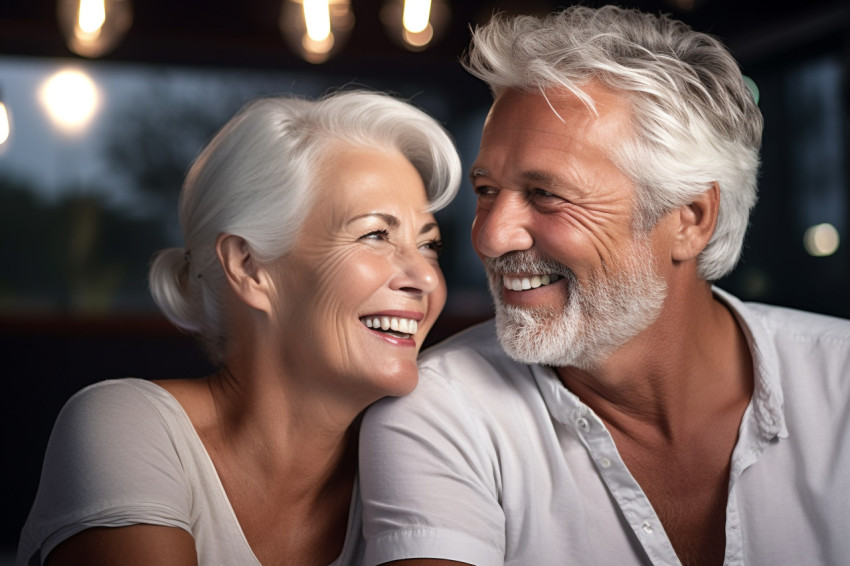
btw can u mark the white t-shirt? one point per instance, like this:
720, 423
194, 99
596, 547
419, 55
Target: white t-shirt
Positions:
123, 452
492, 462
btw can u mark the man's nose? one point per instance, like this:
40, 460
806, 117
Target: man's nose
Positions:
504, 226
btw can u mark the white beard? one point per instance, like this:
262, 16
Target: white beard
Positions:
600, 315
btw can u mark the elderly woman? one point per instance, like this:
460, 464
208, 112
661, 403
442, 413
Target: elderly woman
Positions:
310, 276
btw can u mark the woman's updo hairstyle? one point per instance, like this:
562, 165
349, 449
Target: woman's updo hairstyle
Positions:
254, 180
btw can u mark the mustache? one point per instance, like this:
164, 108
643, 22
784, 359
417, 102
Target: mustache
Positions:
525, 262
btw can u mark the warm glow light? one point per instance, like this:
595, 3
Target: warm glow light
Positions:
5, 126
317, 17
92, 16
93, 28
71, 99
316, 29
821, 240
418, 40
416, 15
415, 24
318, 48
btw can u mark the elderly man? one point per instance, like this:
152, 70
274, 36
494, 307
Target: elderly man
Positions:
620, 409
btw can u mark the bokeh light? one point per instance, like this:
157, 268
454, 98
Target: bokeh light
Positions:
821, 240
71, 99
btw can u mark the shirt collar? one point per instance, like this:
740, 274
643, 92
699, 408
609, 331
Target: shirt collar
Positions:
766, 405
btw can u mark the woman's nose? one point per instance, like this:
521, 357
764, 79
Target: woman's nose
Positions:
417, 273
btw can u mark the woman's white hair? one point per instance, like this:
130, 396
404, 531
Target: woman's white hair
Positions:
255, 180
694, 120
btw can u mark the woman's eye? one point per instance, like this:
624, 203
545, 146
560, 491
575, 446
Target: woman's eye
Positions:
432, 247
376, 235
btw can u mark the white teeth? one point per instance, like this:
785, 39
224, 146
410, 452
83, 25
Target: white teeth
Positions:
400, 325
526, 283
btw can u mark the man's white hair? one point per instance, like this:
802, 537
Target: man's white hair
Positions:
694, 120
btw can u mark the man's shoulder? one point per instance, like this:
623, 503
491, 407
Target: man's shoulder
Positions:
473, 351
799, 324
477, 339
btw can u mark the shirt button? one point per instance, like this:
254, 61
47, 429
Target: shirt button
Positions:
582, 423
605, 463
647, 527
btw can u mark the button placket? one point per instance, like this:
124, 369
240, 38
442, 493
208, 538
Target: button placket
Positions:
583, 424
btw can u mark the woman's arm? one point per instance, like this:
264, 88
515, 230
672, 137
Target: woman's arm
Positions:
136, 545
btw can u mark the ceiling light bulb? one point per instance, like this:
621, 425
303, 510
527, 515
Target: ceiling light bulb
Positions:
415, 24
416, 15
316, 29
93, 28
317, 18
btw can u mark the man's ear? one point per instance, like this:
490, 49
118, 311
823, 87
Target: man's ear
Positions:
246, 277
697, 221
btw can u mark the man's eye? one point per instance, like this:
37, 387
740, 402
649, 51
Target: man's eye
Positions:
484, 191
375, 235
542, 193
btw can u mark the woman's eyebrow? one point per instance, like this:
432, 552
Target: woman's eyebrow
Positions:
428, 227
391, 220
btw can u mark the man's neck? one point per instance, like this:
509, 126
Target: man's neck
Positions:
690, 364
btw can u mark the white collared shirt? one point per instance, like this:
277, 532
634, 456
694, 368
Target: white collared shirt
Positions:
493, 462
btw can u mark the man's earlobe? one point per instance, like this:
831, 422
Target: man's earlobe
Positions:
245, 276
697, 221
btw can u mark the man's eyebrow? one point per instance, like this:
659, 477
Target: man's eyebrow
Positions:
388, 218
541, 177
530, 176
478, 172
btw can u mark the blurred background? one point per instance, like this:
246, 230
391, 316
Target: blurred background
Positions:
103, 105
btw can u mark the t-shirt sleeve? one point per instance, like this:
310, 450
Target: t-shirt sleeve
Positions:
429, 478
110, 462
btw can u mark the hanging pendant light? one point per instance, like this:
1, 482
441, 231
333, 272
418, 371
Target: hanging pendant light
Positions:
93, 28
316, 29
415, 24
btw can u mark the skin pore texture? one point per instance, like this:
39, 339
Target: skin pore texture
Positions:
303, 361
663, 363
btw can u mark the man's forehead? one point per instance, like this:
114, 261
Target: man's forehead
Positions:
557, 112
596, 99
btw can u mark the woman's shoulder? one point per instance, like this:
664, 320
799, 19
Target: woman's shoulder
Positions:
117, 407
113, 459
115, 425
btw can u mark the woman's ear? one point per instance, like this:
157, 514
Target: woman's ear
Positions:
697, 221
246, 277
